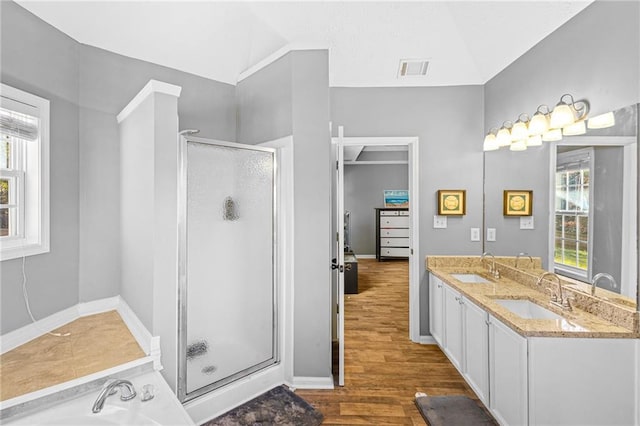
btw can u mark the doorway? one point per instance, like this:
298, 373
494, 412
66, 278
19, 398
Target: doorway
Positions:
411, 144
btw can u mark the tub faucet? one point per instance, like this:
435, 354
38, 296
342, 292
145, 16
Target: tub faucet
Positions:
127, 392
595, 279
559, 299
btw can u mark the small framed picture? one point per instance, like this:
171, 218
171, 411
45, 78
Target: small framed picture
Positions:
396, 198
452, 202
517, 203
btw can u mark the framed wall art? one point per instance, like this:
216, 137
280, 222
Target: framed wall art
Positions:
452, 202
396, 198
517, 202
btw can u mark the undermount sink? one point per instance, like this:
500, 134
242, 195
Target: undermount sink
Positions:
470, 278
527, 309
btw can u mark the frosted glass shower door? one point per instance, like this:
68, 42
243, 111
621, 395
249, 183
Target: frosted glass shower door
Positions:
230, 304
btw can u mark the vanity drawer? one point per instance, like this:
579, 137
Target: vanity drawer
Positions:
394, 222
394, 242
395, 251
395, 232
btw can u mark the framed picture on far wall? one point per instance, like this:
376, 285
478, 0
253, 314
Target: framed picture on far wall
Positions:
517, 203
452, 202
396, 198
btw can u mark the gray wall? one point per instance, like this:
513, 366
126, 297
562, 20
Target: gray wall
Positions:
450, 154
593, 56
87, 88
363, 189
291, 96
49, 70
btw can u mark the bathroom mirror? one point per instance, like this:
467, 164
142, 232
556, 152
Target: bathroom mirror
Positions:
590, 183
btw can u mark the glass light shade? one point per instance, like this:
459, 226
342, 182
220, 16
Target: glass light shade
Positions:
520, 145
503, 137
519, 131
552, 135
601, 121
577, 128
490, 143
535, 140
539, 124
562, 116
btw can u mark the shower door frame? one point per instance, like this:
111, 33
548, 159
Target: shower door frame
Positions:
182, 394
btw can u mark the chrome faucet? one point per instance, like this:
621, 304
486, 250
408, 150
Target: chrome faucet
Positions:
595, 279
559, 299
127, 392
493, 264
523, 254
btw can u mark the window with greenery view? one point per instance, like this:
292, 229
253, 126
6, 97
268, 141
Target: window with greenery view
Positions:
573, 187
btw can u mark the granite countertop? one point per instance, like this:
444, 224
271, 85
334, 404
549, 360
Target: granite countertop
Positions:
575, 323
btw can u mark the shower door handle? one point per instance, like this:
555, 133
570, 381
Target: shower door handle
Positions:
334, 265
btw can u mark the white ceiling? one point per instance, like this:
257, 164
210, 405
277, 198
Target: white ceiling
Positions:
466, 42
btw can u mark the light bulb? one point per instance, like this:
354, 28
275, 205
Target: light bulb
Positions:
490, 143
602, 121
539, 123
577, 128
535, 140
503, 137
520, 145
562, 116
552, 135
519, 131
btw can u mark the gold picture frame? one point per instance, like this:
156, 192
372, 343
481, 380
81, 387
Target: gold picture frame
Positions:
452, 202
517, 203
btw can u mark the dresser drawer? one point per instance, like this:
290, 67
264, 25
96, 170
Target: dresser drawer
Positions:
395, 251
394, 232
394, 242
394, 222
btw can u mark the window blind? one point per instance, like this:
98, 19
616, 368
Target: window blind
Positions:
18, 125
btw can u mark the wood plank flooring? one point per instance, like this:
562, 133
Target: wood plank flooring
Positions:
383, 368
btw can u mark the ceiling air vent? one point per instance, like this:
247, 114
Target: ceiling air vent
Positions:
413, 68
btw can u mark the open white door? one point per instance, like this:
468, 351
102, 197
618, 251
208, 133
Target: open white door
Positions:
339, 263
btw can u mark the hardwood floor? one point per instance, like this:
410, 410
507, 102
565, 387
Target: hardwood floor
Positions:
383, 368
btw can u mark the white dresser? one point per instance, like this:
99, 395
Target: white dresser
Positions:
392, 233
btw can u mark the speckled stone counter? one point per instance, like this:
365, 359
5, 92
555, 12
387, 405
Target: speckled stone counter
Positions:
584, 321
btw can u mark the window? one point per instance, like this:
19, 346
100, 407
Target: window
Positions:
24, 174
573, 192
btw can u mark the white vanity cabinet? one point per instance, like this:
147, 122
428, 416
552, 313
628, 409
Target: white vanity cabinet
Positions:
453, 326
436, 311
508, 374
476, 348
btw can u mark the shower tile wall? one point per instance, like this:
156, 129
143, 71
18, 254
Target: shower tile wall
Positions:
97, 342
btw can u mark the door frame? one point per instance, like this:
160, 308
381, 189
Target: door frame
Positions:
412, 144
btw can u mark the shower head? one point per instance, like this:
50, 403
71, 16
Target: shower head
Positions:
188, 132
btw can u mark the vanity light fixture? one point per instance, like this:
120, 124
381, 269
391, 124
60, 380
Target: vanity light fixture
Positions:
490, 141
519, 131
504, 134
539, 123
601, 121
552, 135
535, 140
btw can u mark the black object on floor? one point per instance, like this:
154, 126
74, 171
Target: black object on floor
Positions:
456, 410
279, 406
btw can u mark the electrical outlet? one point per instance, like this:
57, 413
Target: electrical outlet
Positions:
526, 222
491, 234
439, 221
475, 234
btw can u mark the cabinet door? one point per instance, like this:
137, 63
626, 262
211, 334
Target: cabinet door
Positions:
475, 334
436, 311
508, 394
453, 326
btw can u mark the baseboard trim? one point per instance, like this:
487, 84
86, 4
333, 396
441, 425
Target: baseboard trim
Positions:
22, 335
311, 383
427, 340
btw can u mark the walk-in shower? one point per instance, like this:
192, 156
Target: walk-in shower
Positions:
227, 274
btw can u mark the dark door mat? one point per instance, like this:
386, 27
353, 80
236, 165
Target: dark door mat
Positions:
279, 406
455, 410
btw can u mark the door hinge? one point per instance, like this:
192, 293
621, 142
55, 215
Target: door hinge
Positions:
337, 236
337, 309
336, 165
412, 252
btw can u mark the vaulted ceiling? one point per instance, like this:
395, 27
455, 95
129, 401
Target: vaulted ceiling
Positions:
465, 42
